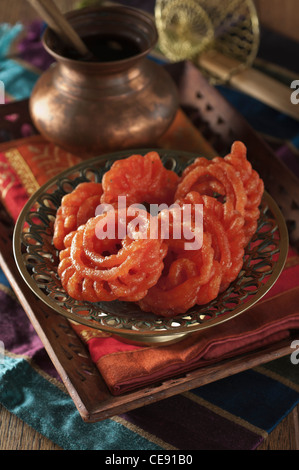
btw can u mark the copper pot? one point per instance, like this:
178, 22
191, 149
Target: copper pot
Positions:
93, 107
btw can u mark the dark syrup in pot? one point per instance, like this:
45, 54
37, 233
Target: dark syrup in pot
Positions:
109, 47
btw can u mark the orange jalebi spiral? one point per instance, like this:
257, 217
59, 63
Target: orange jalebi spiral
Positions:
197, 276
253, 185
97, 268
232, 178
141, 179
75, 209
159, 273
190, 277
216, 177
178, 289
227, 230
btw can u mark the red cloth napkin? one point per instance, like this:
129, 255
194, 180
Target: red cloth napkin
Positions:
28, 163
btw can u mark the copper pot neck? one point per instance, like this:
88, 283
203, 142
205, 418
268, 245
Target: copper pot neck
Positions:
131, 23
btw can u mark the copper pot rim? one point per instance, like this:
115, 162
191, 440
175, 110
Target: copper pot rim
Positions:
132, 12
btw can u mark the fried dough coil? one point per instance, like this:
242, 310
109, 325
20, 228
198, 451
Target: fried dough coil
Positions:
75, 209
141, 179
101, 269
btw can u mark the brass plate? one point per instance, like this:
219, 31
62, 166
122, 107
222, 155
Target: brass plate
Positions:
37, 261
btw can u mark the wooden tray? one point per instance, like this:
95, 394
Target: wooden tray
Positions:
221, 124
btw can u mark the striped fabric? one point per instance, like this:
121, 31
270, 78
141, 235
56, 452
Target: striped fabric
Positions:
234, 413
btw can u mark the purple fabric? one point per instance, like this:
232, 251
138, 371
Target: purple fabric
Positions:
19, 336
31, 49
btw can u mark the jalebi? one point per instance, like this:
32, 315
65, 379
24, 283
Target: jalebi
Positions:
231, 179
217, 177
75, 209
227, 230
197, 276
141, 179
185, 274
97, 268
159, 272
253, 184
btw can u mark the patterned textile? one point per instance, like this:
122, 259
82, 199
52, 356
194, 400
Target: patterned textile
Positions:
27, 167
237, 412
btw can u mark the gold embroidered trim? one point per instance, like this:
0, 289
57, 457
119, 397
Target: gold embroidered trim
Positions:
7, 179
23, 171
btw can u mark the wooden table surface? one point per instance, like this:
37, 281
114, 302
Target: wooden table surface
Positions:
17, 435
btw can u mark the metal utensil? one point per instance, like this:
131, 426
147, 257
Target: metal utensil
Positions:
222, 38
50, 13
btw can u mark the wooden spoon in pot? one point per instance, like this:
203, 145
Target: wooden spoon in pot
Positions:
49, 12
